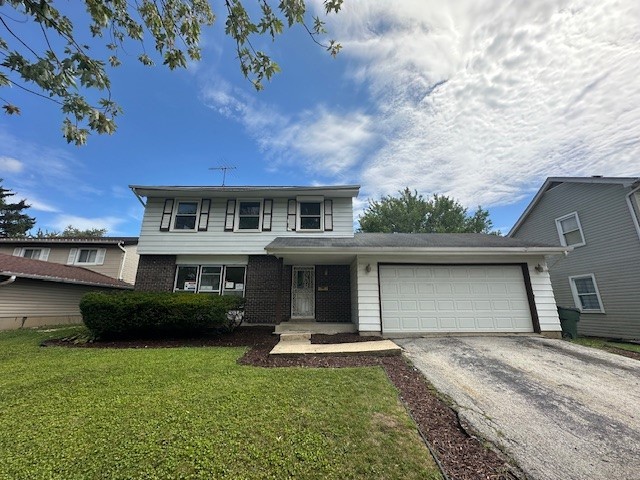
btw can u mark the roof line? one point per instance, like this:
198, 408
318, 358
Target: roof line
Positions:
48, 278
404, 250
624, 181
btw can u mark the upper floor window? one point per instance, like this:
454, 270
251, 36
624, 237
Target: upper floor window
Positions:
86, 256
33, 253
249, 213
570, 230
310, 215
586, 294
186, 215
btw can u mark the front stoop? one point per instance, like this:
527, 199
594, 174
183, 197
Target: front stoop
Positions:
326, 328
300, 344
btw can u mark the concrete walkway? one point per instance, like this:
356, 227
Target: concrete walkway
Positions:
300, 344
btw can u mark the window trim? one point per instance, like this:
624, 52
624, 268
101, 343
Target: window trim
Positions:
576, 295
561, 234
236, 226
174, 214
299, 202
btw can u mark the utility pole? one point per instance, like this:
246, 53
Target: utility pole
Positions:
224, 169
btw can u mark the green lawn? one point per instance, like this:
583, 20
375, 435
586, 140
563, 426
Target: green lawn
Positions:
194, 413
602, 343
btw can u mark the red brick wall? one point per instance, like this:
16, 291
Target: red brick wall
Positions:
333, 293
156, 273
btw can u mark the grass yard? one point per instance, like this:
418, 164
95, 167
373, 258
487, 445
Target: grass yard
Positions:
71, 413
603, 344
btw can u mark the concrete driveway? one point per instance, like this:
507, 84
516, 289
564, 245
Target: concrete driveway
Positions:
562, 411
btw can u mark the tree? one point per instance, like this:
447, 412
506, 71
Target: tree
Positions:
65, 67
72, 232
410, 212
13, 222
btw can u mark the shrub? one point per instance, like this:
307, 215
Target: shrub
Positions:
144, 313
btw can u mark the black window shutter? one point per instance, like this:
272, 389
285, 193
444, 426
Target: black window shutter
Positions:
267, 210
291, 214
203, 221
165, 222
328, 215
230, 217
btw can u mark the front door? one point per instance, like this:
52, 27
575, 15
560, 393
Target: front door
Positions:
303, 288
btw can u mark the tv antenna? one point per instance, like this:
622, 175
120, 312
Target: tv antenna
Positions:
224, 169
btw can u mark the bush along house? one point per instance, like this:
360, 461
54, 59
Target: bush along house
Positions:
292, 253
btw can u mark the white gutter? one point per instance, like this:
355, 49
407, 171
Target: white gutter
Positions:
8, 281
634, 214
133, 189
124, 259
432, 250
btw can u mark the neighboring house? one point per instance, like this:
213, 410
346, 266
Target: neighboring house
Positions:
599, 218
35, 293
115, 257
292, 253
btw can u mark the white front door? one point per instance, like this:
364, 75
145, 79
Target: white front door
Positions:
303, 288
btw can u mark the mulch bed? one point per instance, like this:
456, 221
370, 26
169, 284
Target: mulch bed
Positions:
461, 455
623, 352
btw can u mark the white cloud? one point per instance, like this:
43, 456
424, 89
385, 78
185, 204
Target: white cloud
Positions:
9, 164
60, 222
35, 203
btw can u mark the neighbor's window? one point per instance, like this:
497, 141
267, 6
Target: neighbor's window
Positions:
585, 293
249, 215
570, 230
33, 253
186, 215
86, 255
310, 216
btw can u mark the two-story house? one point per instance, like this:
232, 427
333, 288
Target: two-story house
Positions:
599, 218
292, 253
115, 257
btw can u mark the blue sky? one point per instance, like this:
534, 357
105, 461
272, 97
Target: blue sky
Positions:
477, 100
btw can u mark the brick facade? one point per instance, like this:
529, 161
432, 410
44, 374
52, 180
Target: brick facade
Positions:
263, 289
156, 273
333, 293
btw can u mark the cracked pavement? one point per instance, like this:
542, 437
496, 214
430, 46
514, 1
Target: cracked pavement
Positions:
561, 411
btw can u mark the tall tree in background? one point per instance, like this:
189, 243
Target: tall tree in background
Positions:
13, 221
410, 212
67, 65
72, 232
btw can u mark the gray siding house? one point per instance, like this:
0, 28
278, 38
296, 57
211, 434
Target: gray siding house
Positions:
599, 218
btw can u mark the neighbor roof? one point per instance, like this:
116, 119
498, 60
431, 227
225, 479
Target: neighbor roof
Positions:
75, 241
551, 182
273, 191
406, 242
55, 272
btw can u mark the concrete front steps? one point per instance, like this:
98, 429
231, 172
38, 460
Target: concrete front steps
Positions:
327, 328
299, 343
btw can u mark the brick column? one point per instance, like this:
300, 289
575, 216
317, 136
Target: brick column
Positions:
262, 292
333, 293
156, 273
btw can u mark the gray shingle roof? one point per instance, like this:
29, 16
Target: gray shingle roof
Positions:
55, 272
69, 240
406, 240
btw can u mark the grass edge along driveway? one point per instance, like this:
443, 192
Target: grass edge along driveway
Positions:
195, 413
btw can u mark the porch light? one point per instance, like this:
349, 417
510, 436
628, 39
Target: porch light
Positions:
368, 268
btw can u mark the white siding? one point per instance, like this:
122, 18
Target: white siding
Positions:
130, 267
32, 303
368, 301
216, 241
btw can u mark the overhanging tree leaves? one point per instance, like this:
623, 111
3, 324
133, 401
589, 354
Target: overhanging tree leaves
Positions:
13, 221
410, 212
59, 65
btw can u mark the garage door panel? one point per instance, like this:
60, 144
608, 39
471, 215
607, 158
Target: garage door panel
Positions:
466, 298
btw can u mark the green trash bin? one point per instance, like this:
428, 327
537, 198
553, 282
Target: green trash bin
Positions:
569, 318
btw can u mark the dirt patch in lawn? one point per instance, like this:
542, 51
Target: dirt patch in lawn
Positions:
460, 454
623, 352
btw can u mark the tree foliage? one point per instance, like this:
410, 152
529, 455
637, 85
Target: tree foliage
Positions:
13, 221
410, 212
72, 232
61, 65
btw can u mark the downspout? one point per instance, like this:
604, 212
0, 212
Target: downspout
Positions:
124, 258
8, 281
634, 213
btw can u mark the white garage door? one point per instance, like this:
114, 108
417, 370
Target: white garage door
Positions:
460, 298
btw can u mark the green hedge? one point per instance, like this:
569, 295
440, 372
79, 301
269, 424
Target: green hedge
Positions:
143, 313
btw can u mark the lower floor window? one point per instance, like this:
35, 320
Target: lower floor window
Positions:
216, 279
585, 293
